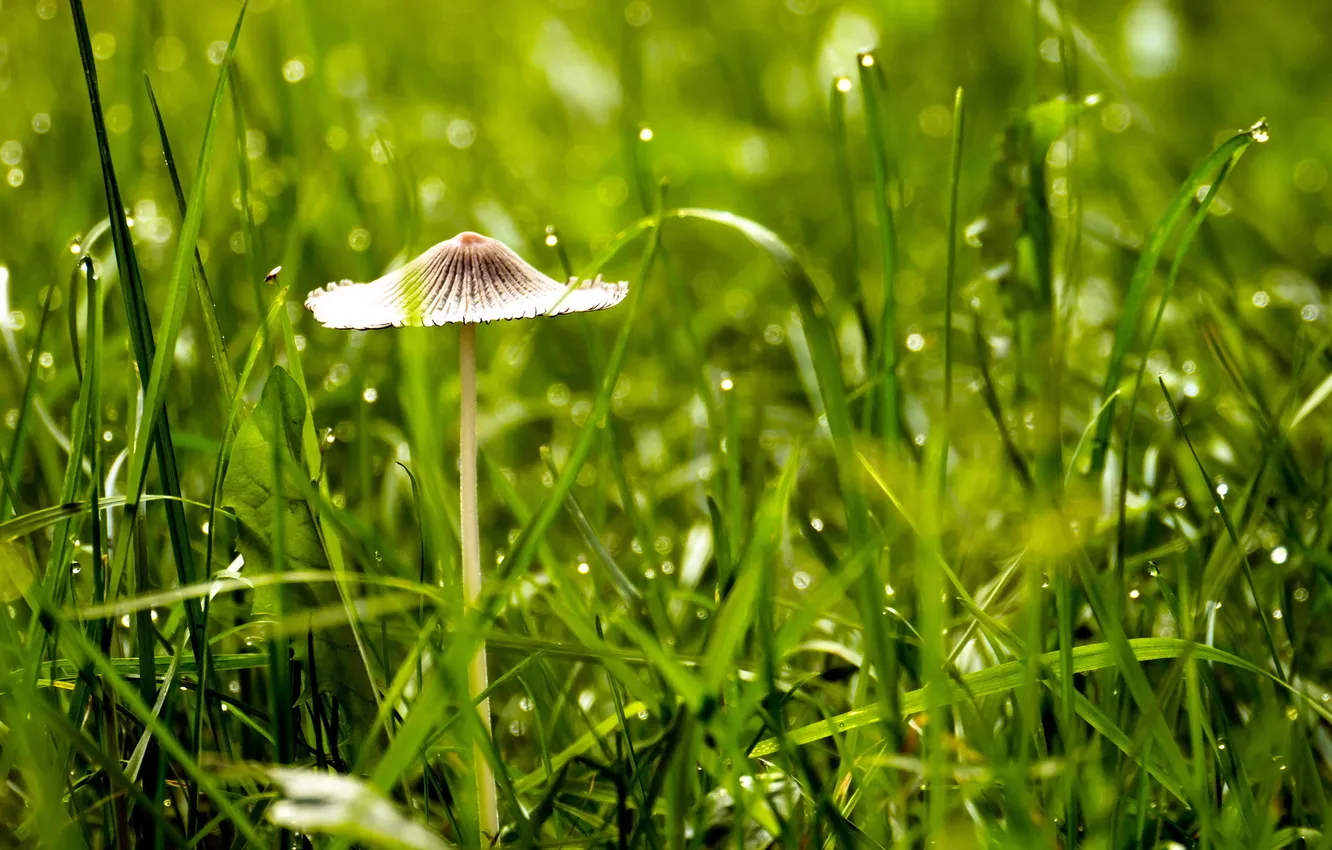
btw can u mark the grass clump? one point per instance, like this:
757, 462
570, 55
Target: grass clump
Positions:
954, 472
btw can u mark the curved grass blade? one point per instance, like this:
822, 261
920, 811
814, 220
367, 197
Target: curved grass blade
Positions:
950, 234
25, 408
1127, 329
885, 353
1243, 554
217, 347
1009, 675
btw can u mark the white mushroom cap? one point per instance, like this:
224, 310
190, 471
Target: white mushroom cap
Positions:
470, 278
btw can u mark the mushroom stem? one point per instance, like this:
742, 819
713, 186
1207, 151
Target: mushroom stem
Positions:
477, 680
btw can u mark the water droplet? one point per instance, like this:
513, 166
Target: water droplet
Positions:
104, 45
46, 359
516, 728
125, 621
1276, 615
816, 523
774, 335
1279, 555
1220, 745
41, 123
701, 614
727, 384
15, 177
584, 568
1134, 594
645, 134
461, 133
359, 239
800, 580
1309, 312
11, 152
76, 569
217, 51
293, 71
1181, 502
867, 60
843, 84
915, 342
1260, 131
1261, 299
1301, 594
649, 574
370, 395
667, 567
558, 395
1222, 489
525, 704
205, 528
888, 590
552, 240
586, 700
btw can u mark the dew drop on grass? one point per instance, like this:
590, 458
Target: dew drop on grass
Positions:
701, 614
584, 568
915, 341
727, 385
369, 395
843, 84
557, 395
667, 567
1261, 299
800, 580
649, 574
888, 590
816, 523
1134, 593
1309, 312
586, 700
516, 729
645, 134
1301, 594
1279, 555
293, 71
1276, 615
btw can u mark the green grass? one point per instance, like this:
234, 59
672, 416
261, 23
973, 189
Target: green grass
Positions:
954, 474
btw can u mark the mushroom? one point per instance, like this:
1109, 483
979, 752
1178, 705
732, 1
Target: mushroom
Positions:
464, 280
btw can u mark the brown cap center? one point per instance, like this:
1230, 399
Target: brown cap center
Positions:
467, 237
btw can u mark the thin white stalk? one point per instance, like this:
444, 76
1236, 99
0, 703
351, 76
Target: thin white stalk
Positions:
487, 804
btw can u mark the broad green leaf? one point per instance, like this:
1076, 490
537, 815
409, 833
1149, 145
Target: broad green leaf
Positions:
252, 492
